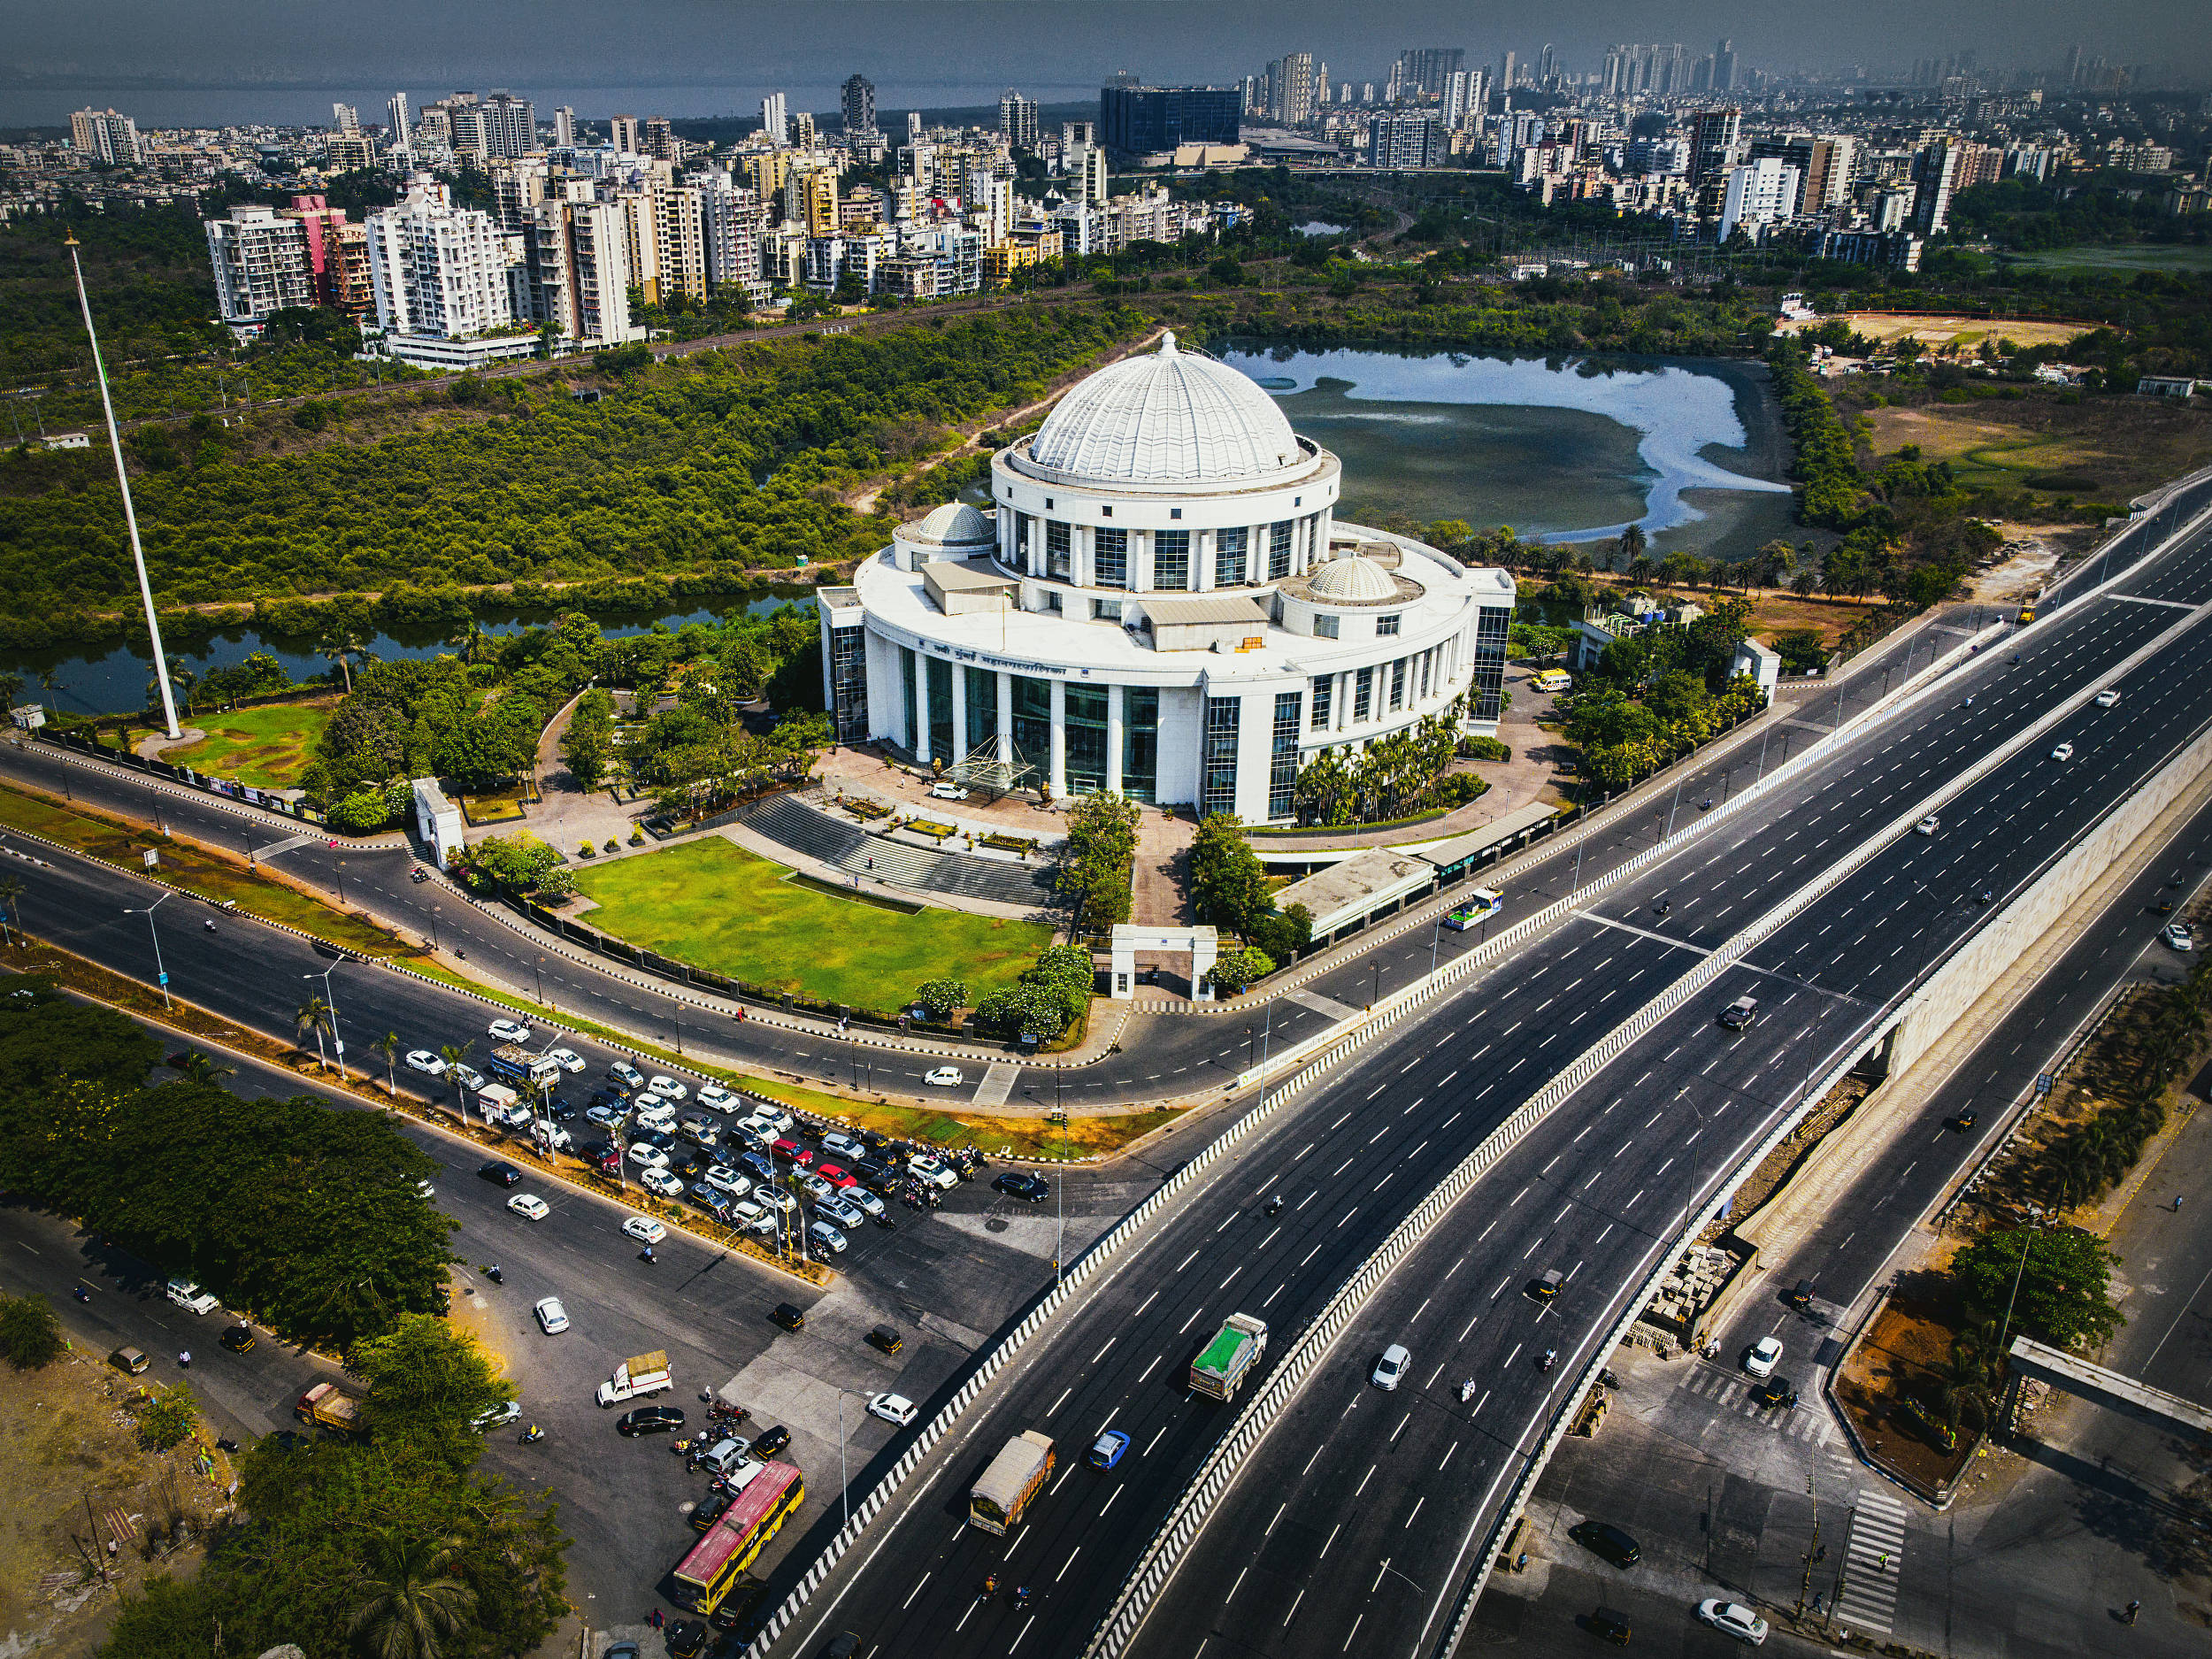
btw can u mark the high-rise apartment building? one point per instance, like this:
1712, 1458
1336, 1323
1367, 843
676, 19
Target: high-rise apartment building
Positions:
261, 264
1290, 97
346, 119
1426, 70
519, 184
1758, 194
402, 125
773, 121
732, 222
658, 139
511, 124
564, 127
913, 127
580, 270
1714, 134
343, 152
1935, 174
856, 103
1407, 138
1017, 120
809, 198
1724, 66
1466, 100
680, 245
623, 133
337, 256
106, 137
439, 270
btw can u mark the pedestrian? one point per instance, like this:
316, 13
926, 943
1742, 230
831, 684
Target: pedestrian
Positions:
1882, 1565
2177, 1204
657, 1619
1816, 1596
2133, 1609
184, 1359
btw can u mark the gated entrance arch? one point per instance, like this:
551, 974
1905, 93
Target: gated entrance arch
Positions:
1202, 943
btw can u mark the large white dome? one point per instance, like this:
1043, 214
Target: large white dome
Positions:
1166, 418
1353, 579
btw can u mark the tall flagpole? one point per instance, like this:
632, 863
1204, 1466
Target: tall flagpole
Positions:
130, 513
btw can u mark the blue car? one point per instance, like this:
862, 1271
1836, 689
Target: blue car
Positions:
755, 1164
1107, 1449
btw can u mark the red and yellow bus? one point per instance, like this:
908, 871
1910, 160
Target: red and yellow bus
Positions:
734, 1542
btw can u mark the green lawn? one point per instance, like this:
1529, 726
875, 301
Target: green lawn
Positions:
2129, 257
715, 905
268, 747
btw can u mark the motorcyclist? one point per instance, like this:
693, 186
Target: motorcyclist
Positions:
495, 1275
1550, 1359
647, 1254
1021, 1596
1275, 1205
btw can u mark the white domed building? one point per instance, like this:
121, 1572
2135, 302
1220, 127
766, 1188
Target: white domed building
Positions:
1158, 601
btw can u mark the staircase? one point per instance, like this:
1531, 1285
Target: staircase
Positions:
790, 822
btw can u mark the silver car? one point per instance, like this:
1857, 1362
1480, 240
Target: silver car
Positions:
826, 1237
838, 1210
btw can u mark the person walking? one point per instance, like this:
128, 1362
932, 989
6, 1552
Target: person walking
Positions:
184, 1359
2133, 1609
1882, 1566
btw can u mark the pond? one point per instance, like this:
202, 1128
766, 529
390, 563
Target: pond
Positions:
116, 681
1564, 449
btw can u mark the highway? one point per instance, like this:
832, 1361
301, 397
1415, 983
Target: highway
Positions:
1404, 1477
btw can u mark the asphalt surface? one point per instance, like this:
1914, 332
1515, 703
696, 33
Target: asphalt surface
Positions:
1405, 1478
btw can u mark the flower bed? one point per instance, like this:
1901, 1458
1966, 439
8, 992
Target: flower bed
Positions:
935, 831
868, 810
999, 840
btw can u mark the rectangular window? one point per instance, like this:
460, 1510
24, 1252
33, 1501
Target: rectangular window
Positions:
1108, 610
1277, 552
1052, 599
848, 682
1491, 625
1363, 693
1086, 738
1110, 558
1170, 561
1324, 695
1385, 627
1033, 721
1022, 521
1174, 512
939, 672
1059, 563
1217, 762
1398, 684
906, 684
1229, 558
1428, 665
1326, 627
1282, 770
982, 689
1140, 742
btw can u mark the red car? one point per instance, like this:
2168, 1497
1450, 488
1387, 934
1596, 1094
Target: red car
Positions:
835, 1176
610, 1162
791, 1150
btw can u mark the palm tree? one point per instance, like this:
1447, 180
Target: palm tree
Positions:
9, 685
197, 1068
388, 1046
411, 1602
1631, 545
11, 888
314, 1014
452, 1054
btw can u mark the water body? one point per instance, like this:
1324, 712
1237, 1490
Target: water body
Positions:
1569, 450
116, 682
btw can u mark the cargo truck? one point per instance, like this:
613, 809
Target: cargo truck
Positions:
640, 1375
512, 1063
1018, 1472
1235, 1349
326, 1405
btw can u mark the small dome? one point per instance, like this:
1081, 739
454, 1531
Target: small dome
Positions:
1351, 580
1168, 417
954, 525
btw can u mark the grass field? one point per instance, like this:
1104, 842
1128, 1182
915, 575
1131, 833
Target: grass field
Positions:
268, 747
715, 905
2102, 449
2197, 256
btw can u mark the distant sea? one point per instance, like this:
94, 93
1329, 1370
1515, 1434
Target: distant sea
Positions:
309, 106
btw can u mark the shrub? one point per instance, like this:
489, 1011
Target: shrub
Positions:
362, 811
557, 883
169, 1418
941, 997
1484, 749
612, 846
637, 837
312, 415
30, 1335
1236, 970
585, 849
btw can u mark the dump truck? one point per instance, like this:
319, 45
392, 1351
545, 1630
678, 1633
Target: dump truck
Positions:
512, 1063
1018, 1474
640, 1375
1235, 1349
326, 1405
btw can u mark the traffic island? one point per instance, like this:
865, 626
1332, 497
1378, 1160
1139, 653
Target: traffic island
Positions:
1893, 1384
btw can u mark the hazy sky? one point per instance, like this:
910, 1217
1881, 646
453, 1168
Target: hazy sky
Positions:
914, 49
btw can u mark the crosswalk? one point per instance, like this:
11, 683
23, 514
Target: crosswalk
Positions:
1877, 1553
1807, 1423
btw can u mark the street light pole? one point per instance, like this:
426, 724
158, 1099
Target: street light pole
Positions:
161, 974
330, 998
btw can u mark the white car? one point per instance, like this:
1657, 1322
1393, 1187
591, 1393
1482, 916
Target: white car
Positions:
717, 1097
894, 1408
2177, 936
567, 1059
723, 1179
529, 1206
644, 1229
667, 1087
826, 1237
770, 1120
667, 1183
646, 1155
656, 1113
2106, 699
496, 1416
930, 1171
776, 1198
191, 1298
555, 1137
552, 1317
424, 1062
944, 1077
945, 790
2064, 751
1762, 1356
838, 1144
871, 1202
1391, 1367
510, 1031
749, 1216
622, 1072
1929, 825
1733, 1618
844, 1214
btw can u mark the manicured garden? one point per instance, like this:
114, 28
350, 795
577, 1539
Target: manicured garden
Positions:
268, 748
713, 904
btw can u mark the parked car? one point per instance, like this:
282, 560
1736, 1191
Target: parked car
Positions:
894, 1408
838, 1144
670, 1087
758, 1165
844, 1215
826, 1237
715, 1095
1107, 1449
607, 1116
1608, 1542
424, 1062
650, 1420
238, 1339
712, 1200
772, 1119
836, 1175
1020, 1184
510, 1031
860, 1199
885, 1339
1391, 1367
468, 1077
552, 1317
813, 1186
794, 1151
626, 1074
943, 789
130, 1361
2178, 935
789, 1316
529, 1206
1733, 1618
666, 1183
724, 1179
496, 1416
646, 1155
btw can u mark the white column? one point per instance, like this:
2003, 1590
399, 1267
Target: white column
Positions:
1341, 704
1202, 553
1005, 710
960, 713
919, 737
1059, 773
1113, 739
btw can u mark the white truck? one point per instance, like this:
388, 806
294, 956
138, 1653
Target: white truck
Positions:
191, 1298
640, 1375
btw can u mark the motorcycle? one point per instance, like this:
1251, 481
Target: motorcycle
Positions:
209, 925
647, 1256
1467, 1391
1550, 1359
1021, 1597
1275, 1205
495, 1275
531, 1436
1608, 1379
82, 1293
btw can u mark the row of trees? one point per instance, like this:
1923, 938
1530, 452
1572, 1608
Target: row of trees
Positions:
1391, 777
1097, 872
1626, 734
2080, 1166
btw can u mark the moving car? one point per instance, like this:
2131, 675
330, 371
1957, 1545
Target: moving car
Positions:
1106, 1450
885, 1339
663, 1182
932, 1172
2106, 698
1964, 1121
1733, 1618
238, 1338
789, 1316
2178, 935
468, 1077
1608, 1542
826, 1237
529, 1206
944, 1077
552, 1317
1605, 1622
715, 1095
1545, 1288
644, 1229
650, 1420
2064, 751
1484, 902
668, 1088
1929, 825
510, 1031
894, 1408
567, 1059
1739, 1013
1020, 1184
626, 1074
1391, 1367
1762, 1356
424, 1062
500, 1172
1776, 1391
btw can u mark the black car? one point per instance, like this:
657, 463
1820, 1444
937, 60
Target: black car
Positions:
238, 1338
614, 1099
770, 1442
659, 1138
709, 1509
650, 1420
712, 1200
1612, 1625
789, 1317
501, 1171
561, 1110
1020, 1184
686, 1639
1608, 1542
1776, 1391
756, 1166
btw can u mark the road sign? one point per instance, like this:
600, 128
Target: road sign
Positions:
164, 979
2043, 1082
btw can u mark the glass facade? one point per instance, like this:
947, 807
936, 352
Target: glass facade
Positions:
982, 695
1033, 721
1022, 521
1217, 757
1278, 551
1282, 770
1141, 742
1229, 558
1326, 627
1491, 624
1170, 561
1110, 556
1324, 697
940, 673
913, 728
1059, 562
1398, 684
849, 683
1087, 738
1363, 693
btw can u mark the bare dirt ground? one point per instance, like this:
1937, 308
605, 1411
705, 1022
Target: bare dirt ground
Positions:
2100, 448
1935, 329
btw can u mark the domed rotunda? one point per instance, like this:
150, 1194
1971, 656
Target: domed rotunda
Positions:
1158, 601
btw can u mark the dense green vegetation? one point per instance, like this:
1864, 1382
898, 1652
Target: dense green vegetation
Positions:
306, 1216
1230, 888
1654, 693
1096, 868
1390, 778
2080, 1166
1051, 995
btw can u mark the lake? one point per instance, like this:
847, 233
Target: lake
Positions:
1567, 449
